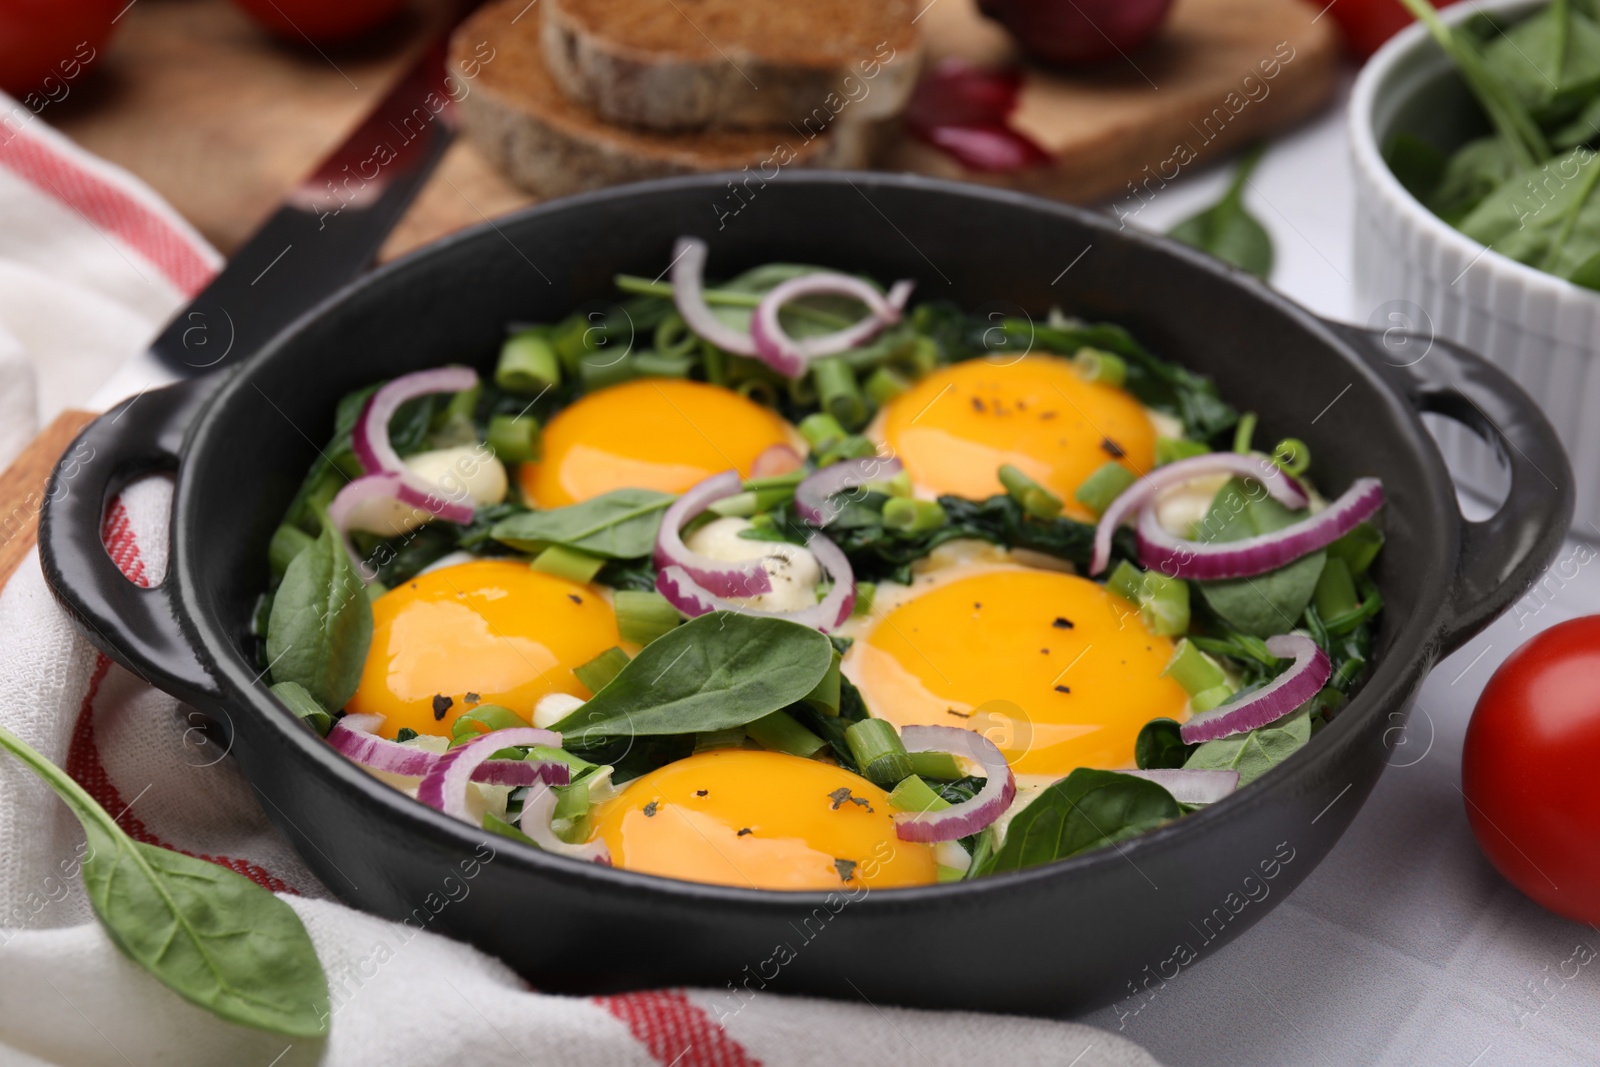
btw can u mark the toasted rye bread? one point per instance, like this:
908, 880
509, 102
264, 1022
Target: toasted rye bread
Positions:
730, 64
551, 146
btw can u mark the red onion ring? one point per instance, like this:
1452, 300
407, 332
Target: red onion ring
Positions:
537, 809
745, 577
355, 736
370, 437
1283, 488
362, 505
969, 816
789, 356
813, 497
688, 294
444, 786
1303, 680
1178, 558
1192, 786
694, 600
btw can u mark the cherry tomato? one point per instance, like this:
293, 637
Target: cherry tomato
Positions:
46, 44
1369, 23
1529, 769
1078, 31
323, 21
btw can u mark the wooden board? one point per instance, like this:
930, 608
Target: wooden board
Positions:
22, 488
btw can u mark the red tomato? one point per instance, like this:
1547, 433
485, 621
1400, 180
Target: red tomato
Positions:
323, 21
1369, 23
1529, 769
46, 44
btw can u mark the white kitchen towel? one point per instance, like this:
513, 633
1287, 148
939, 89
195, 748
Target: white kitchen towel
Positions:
91, 263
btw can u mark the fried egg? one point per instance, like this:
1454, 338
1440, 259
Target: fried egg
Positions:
490, 632
1055, 670
655, 433
760, 820
955, 428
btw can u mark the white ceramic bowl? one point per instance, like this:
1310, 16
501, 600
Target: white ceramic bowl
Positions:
1413, 272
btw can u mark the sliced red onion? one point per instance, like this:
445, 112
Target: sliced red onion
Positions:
1192, 786
744, 577
444, 786
813, 497
537, 809
1281, 486
370, 503
688, 293
775, 462
789, 356
1177, 558
356, 737
370, 438
1303, 680
694, 599
969, 816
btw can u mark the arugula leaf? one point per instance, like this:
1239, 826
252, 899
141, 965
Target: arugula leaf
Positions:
210, 935
1227, 230
1085, 810
321, 623
1257, 752
1268, 603
715, 672
621, 524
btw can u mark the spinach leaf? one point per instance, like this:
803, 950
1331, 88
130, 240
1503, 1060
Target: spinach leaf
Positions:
1547, 217
1268, 603
1227, 230
210, 935
621, 524
1550, 61
321, 623
1085, 810
1419, 165
1476, 170
1257, 752
712, 673
1159, 746
304, 706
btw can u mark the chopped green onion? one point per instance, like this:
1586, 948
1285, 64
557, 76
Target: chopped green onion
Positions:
878, 751
572, 801
866, 592
821, 430
915, 795
751, 501
1371, 604
673, 336
484, 719
598, 672
305, 706
884, 384
1207, 699
940, 766
1193, 669
838, 392
1097, 366
1127, 581
1172, 449
1335, 594
716, 363
600, 369
287, 543
851, 446
545, 754
1036, 500
571, 341
1358, 548
779, 732
528, 363
568, 563
1164, 607
653, 365
941, 873
758, 390
1103, 486
496, 825
824, 696
715, 739
514, 438
643, 616
911, 517
1244, 432
1293, 456
462, 406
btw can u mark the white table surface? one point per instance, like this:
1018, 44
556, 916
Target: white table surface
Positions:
1404, 946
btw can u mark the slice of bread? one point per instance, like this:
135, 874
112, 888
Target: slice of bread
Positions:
729, 64
552, 146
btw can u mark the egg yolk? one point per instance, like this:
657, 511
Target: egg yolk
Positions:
655, 433
955, 428
762, 820
1053, 669
489, 632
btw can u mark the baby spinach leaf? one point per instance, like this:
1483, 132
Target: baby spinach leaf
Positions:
1085, 810
304, 705
1475, 171
321, 623
1419, 165
621, 524
1227, 230
1257, 752
1265, 604
1548, 217
1159, 746
713, 673
1548, 60
210, 935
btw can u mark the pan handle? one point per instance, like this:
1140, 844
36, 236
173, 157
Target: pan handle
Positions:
134, 625
1502, 555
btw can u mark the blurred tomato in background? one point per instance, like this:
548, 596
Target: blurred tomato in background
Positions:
1369, 23
47, 43
320, 21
